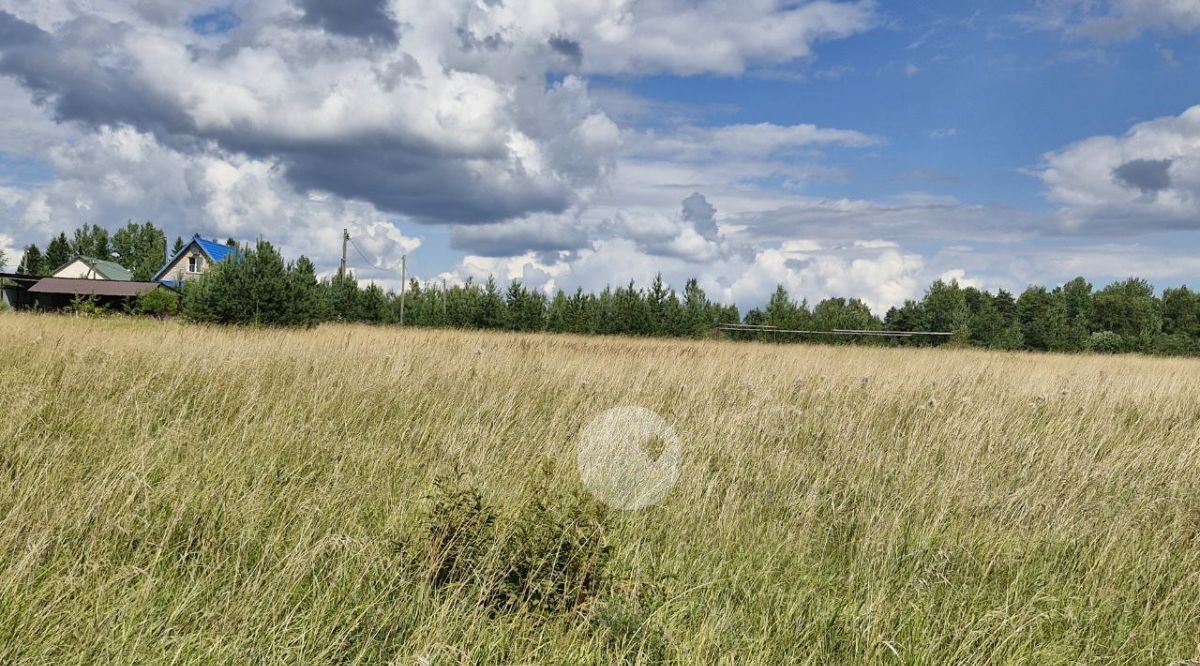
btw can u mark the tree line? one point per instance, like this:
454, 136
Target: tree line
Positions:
260, 287
140, 248
1126, 316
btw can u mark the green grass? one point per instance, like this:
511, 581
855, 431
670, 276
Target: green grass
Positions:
182, 494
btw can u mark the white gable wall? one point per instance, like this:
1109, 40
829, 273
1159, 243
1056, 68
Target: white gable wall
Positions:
78, 269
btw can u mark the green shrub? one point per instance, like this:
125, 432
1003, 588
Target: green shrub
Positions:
458, 532
558, 556
547, 557
960, 338
88, 306
1106, 342
1174, 345
160, 302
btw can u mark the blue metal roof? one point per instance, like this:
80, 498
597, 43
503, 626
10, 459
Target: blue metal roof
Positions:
213, 250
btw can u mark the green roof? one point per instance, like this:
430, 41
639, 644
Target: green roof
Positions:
109, 270
112, 270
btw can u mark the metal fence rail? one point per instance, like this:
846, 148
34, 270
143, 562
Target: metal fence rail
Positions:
753, 328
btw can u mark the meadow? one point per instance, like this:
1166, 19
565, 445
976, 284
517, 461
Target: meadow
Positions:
181, 493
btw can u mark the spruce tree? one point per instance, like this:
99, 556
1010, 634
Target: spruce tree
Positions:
490, 312
58, 252
698, 318
631, 312
558, 313
373, 305
32, 262
656, 304
343, 297
253, 288
304, 297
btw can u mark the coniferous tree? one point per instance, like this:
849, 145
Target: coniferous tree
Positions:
58, 252
265, 283
658, 305
490, 312
1006, 305
526, 309
630, 311
462, 305
342, 294
697, 311
558, 313
303, 294
32, 262
602, 313
252, 288
781, 311
373, 306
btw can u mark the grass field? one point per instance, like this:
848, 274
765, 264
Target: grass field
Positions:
177, 493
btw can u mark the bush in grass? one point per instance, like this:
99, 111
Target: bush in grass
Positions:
1106, 342
557, 560
88, 306
458, 533
1174, 345
547, 557
960, 338
159, 302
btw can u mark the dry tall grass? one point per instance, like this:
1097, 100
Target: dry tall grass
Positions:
176, 493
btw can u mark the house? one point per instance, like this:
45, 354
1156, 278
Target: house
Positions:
55, 293
14, 290
192, 261
89, 268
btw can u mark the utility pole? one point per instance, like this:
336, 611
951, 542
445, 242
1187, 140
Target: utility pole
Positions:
445, 297
345, 242
403, 284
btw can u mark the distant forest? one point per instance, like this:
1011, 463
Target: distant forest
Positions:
261, 288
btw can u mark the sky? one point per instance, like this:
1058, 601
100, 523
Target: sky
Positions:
839, 148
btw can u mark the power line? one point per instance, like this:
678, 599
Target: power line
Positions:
373, 264
403, 272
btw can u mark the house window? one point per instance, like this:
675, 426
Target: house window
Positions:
193, 264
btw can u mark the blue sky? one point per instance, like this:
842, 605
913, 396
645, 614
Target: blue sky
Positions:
988, 97
839, 148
